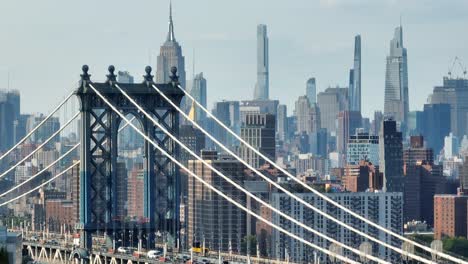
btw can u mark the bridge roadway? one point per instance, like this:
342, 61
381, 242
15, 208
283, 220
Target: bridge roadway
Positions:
67, 254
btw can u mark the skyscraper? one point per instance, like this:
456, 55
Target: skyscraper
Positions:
311, 91
391, 156
355, 78
170, 55
455, 93
282, 125
198, 91
308, 116
261, 88
259, 131
210, 218
331, 102
9, 112
396, 81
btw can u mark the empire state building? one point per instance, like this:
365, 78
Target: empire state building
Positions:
170, 55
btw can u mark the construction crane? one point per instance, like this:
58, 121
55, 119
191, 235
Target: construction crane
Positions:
457, 61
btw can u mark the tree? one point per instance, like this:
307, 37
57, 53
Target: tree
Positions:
3, 255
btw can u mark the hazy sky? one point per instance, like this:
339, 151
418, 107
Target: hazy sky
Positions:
44, 43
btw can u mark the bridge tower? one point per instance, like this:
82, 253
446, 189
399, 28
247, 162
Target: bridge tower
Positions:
99, 153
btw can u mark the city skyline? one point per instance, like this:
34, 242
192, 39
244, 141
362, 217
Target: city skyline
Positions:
324, 54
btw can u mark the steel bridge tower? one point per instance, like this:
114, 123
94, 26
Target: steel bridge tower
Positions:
99, 153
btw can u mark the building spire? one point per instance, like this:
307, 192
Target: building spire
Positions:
170, 34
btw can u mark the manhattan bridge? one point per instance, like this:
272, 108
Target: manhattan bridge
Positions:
104, 110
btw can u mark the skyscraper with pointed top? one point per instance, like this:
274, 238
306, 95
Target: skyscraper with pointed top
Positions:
355, 78
262, 86
170, 55
396, 81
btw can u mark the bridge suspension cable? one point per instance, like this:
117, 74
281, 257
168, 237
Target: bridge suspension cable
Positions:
331, 201
356, 251
40, 172
297, 198
37, 127
55, 134
41, 185
326, 251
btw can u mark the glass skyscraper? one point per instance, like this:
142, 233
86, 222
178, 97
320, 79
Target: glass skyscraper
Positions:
396, 81
355, 78
311, 91
261, 88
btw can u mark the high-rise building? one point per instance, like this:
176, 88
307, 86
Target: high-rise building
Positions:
362, 146
331, 102
262, 86
423, 179
450, 146
311, 91
384, 208
396, 81
125, 77
199, 92
136, 181
229, 114
170, 55
45, 131
415, 123
357, 177
450, 216
355, 78
348, 122
210, 218
259, 131
436, 125
9, 112
455, 93
391, 156
308, 116
376, 123
282, 124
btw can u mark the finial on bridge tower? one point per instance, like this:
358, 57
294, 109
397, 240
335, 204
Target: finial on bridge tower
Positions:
148, 77
174, 77
85, 76
111, 77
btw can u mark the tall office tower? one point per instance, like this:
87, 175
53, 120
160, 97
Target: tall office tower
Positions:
262, 86
194, 139
229, 114
311, 91
376, 123
74, 194
436, 125
415, 123
282, 124
331, 102
455, 93
198, 91
210, 218
348, 122
396, 81
308, 116
383, 208
9, 112
391, 156
20, 127
45, 131
450, 146
125, 77
363, 146
259, 131
423, 179
170, 55
355, 78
